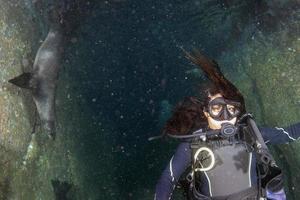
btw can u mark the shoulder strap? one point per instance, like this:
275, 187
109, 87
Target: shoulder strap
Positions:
270, 173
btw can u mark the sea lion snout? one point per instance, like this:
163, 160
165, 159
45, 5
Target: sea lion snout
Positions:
49, 127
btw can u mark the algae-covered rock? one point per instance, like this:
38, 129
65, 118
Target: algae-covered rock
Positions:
32, 150
266, 69
15, 121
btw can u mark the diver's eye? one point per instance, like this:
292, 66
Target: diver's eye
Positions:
216, 109
231, 109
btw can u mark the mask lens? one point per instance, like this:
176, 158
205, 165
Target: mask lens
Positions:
216, 109
220, 108
232, 109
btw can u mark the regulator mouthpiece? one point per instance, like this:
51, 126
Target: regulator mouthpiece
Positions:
228, 130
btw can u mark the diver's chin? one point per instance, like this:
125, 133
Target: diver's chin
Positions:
215, 124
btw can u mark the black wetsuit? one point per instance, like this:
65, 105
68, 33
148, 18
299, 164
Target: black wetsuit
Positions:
230, 174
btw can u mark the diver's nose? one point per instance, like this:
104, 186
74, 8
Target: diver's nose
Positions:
225, 115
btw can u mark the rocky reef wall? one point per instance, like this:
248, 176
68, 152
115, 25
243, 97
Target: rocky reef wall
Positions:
32, 165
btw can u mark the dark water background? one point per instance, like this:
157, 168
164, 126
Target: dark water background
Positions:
130, 61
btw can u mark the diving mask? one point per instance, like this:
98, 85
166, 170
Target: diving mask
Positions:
222, 109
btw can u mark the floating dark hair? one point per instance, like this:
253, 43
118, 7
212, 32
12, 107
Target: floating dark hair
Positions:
188, 114
213, 73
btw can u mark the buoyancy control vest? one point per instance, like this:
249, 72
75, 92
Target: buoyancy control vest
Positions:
236, 167
222, 167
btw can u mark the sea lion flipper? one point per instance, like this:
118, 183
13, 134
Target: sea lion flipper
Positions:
23, 80
61, 188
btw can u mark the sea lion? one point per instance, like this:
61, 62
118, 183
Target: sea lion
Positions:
42, 81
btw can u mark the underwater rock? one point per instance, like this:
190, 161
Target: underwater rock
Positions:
32, 151
5, 190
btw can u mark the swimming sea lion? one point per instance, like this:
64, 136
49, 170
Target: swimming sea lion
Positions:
42, 81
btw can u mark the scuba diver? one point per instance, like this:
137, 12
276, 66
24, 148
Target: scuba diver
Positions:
222, 154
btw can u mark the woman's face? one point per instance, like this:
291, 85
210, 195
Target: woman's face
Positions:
213, 123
